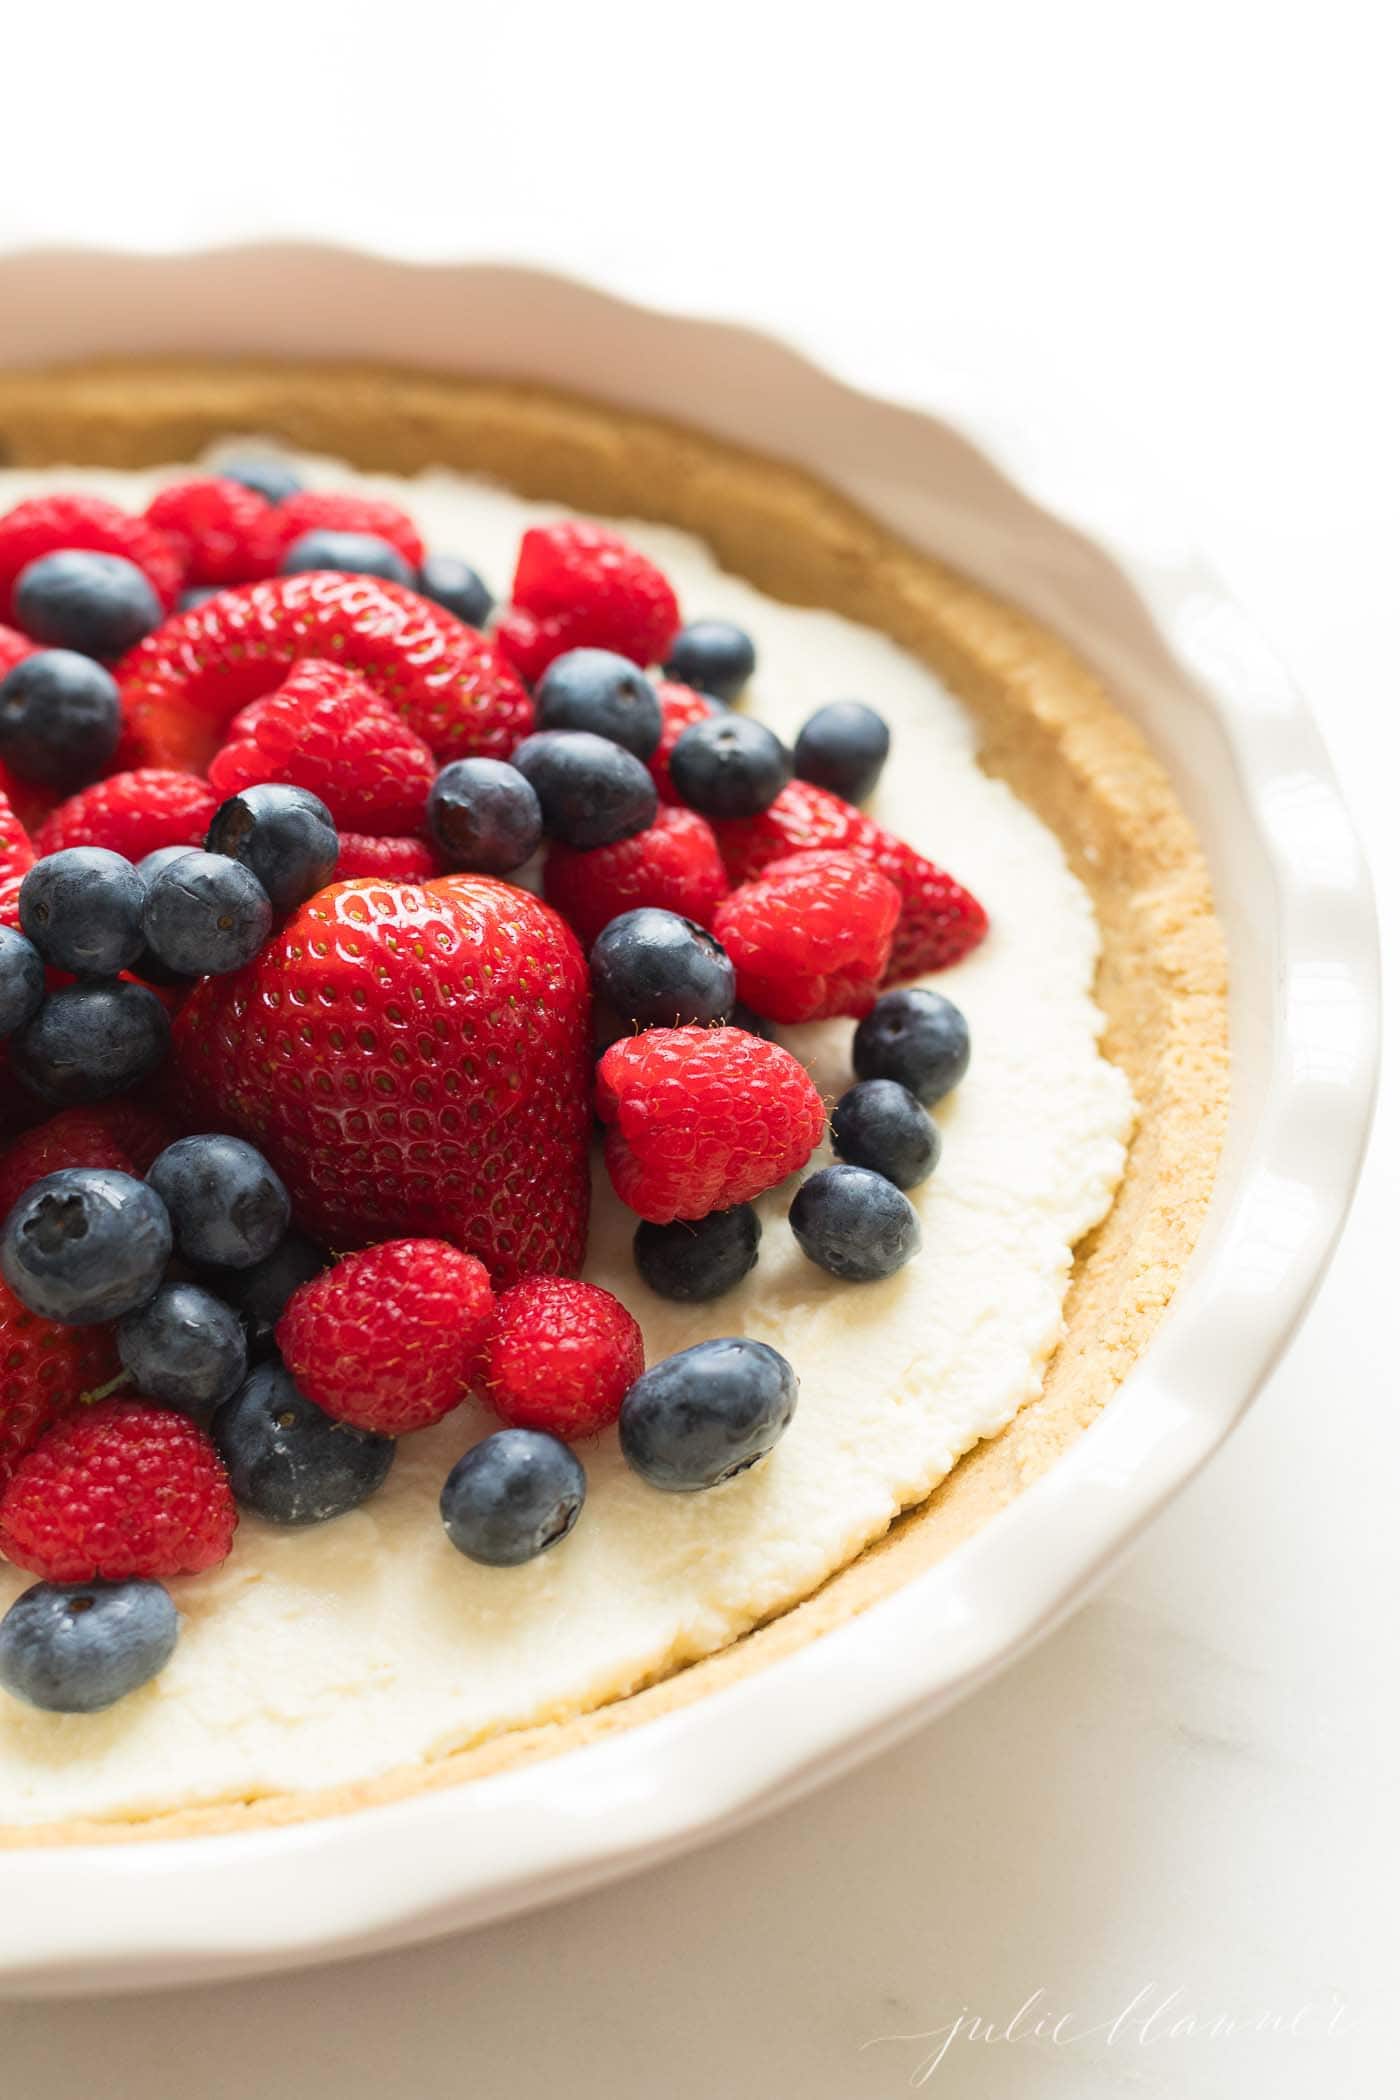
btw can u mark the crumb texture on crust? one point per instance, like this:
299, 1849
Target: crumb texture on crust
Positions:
1046, 726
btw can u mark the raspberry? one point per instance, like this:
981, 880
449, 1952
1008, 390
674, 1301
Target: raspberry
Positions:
674, 864
530, 645
218, 527
13, 649
16, 852
324, 729
183, 685
680, 708
336, 510
391, 860
119, 1134
118, 1489
940, 921
132, 814
44, 1370
560, 1356
389, 1339
587, 588
50, 524
700, 1119
810, 937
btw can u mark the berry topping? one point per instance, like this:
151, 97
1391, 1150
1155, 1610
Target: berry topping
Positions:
843, 747
700, 1417
13, 649
217, 523
85, 1244
483, 815
341, 513
455, 585
22, 980
226, 1205
680, 708
16, 852
674, 865
854, 1223
262, 1291
701, 1119
810, 937
116, 1490
270, 478
98, 604
119, 1134
597, 589
511, 1497
389, 860
62, 524
656, 970
90, 1041
389, 1339
288, 1460
940, 922
82, 910
559, 1356
729, 766
204, 914
917, 1037
713, 655
879, 1124
285, 836
595, 689
350, 554
591, 792
698, 1259
133, 814
186, 1348
45, 1369
77, 1648
60, 717
414, 1061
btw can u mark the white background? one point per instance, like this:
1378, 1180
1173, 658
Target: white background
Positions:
1176, 224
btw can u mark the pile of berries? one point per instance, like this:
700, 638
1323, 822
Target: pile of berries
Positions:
266, 991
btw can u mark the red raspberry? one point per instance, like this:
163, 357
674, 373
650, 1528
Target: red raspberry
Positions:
183, 685
703, 1118
16, 852
29, 803
940, 923
389, 1339
337, 510
674, 864
13, 649
390, 860
218, 527
44, 1370
810, 937
50, 524
118, 1489
529, 645
560, 1356
680, 708
133, 813
120, 1134
606, 594
326, 730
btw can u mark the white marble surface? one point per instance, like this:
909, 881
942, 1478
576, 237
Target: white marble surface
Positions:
1180, 217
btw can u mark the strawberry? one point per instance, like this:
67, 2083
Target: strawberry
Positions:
16, 852
132, 814
326, 730
13, 649
674, 865
414, 1062
810, 937
217, 526
44, 1371
48, 524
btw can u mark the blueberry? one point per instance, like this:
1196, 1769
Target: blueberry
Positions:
350, 554
260, 1292
288, 1460
714, 656
741, 1016
917, 1037
593, 689
75, 1648
158, 859
60, 718
226, 1205
484, 815
185, 1347
148, 965
879, 1124
698, 1418
457, 587
268, 477
729, 766
694, 1262
854, 1224
82, 910
206, 915
84, 1245
98, 604
658, 970
198, 594
21, 980
89, 1041
843, 747
285, 835
511, 1497
591, 792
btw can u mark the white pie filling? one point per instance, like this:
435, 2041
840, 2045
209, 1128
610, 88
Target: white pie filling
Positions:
317, 1658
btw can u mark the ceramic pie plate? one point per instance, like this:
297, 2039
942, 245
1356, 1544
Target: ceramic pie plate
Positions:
1209, 1256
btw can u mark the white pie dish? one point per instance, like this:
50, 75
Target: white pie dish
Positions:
1292, 893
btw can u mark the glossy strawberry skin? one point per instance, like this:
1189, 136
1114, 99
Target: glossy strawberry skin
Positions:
46, 524
415, 1062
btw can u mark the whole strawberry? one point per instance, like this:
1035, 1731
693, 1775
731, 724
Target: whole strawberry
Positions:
44, 1371
560, 1355
218, 527
53, 524
700, 1119
414, 1062
118, 1489
810, 937
121, 1134
674, 864
324, 729
389, 1339
132, 814
579, 585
